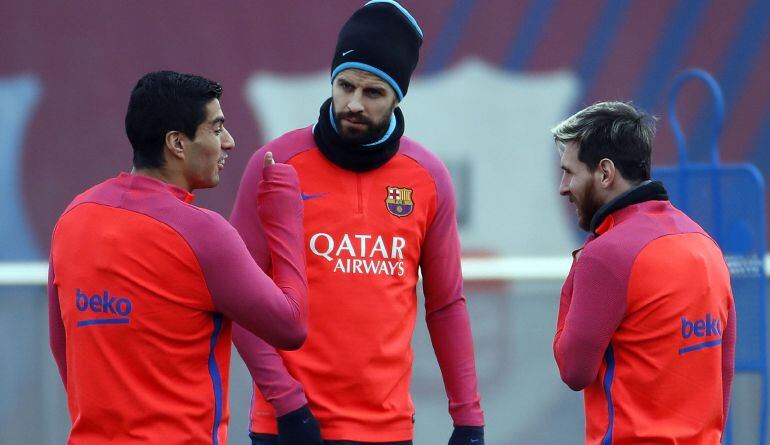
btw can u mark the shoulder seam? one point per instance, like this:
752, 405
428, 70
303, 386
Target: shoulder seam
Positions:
186, 242
435, 188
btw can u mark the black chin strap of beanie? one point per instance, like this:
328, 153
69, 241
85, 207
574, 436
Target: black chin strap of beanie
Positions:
355, 157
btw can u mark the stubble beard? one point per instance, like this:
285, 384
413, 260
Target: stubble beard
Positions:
588, 207
373, 131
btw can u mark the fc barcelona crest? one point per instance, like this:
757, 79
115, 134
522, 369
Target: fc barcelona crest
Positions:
399, 201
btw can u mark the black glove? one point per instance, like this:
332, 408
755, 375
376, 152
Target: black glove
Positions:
263, 439
467, 435
299, 427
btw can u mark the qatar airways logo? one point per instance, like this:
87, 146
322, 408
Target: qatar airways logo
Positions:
361, 253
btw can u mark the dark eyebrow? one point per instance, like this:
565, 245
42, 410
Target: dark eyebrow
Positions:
218, 120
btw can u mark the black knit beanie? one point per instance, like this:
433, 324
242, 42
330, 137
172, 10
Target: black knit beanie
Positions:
382, 38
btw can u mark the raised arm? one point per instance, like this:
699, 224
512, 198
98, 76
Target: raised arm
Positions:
273, 309
265, 365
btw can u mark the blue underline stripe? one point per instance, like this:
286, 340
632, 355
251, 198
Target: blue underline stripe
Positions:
708, 344
103, 321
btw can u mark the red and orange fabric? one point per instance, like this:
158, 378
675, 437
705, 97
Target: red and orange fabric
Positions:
142, 290
366, 236
647, 328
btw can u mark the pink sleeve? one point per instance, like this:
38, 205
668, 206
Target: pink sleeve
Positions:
56, 333
265, 365
728, 359
275, 310
564, 303
446, 313
589, 314
269, 373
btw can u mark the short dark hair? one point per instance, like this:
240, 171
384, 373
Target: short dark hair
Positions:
164, 101
614, 130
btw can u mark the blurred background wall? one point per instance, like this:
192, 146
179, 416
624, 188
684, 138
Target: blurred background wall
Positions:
494, 76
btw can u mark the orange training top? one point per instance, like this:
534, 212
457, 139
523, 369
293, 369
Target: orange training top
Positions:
366, 236
142, 289
647, 326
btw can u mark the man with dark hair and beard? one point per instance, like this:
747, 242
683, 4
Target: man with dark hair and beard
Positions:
378, 206
646, 323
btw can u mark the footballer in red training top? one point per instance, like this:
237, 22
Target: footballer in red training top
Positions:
646, 324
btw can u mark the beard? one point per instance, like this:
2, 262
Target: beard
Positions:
587, 208
372, 131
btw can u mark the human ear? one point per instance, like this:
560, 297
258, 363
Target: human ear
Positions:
174, 144
607, 172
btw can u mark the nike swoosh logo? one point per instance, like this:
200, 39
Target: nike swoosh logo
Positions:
317, 195
306, 420
474, 440
345, 53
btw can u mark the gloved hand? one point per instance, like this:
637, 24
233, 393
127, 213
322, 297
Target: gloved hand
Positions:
467, 435
299, 427
263, 439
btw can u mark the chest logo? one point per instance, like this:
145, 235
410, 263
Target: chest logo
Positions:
399, 202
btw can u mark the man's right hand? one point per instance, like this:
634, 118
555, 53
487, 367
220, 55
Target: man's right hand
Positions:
299, 427
278, 193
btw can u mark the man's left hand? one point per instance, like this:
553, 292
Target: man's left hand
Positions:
467, 435
299, 427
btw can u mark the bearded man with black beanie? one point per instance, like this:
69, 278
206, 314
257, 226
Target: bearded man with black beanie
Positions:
378, 207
